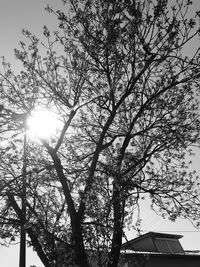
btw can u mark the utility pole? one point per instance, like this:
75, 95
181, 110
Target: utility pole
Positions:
22, 254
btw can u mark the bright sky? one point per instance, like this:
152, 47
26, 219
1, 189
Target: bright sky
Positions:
29, 14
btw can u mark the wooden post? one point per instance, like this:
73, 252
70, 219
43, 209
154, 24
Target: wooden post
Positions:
22, 254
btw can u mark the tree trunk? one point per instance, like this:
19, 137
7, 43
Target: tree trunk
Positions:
77, 240
117, 230
80, 256
116, 246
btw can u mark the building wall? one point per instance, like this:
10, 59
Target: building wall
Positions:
142, 260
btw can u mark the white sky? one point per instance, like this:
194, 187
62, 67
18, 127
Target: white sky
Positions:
30, 14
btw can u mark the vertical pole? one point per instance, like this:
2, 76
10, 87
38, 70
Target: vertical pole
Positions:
22, 254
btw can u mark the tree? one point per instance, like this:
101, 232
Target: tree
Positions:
117, 74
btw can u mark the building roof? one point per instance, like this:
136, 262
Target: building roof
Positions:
155, 242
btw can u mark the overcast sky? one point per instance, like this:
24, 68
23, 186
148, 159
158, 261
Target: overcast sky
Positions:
30, 14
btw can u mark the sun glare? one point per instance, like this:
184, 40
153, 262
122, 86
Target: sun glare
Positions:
43, 123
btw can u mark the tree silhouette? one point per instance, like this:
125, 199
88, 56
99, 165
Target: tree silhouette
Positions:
119, 76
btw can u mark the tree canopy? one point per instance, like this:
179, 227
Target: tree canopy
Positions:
123, 79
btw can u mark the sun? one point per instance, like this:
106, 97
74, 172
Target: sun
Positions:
43, 123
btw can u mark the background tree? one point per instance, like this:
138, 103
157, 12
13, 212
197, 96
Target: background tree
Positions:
127, 96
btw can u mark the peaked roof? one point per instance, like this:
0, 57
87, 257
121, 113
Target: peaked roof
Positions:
128, 244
